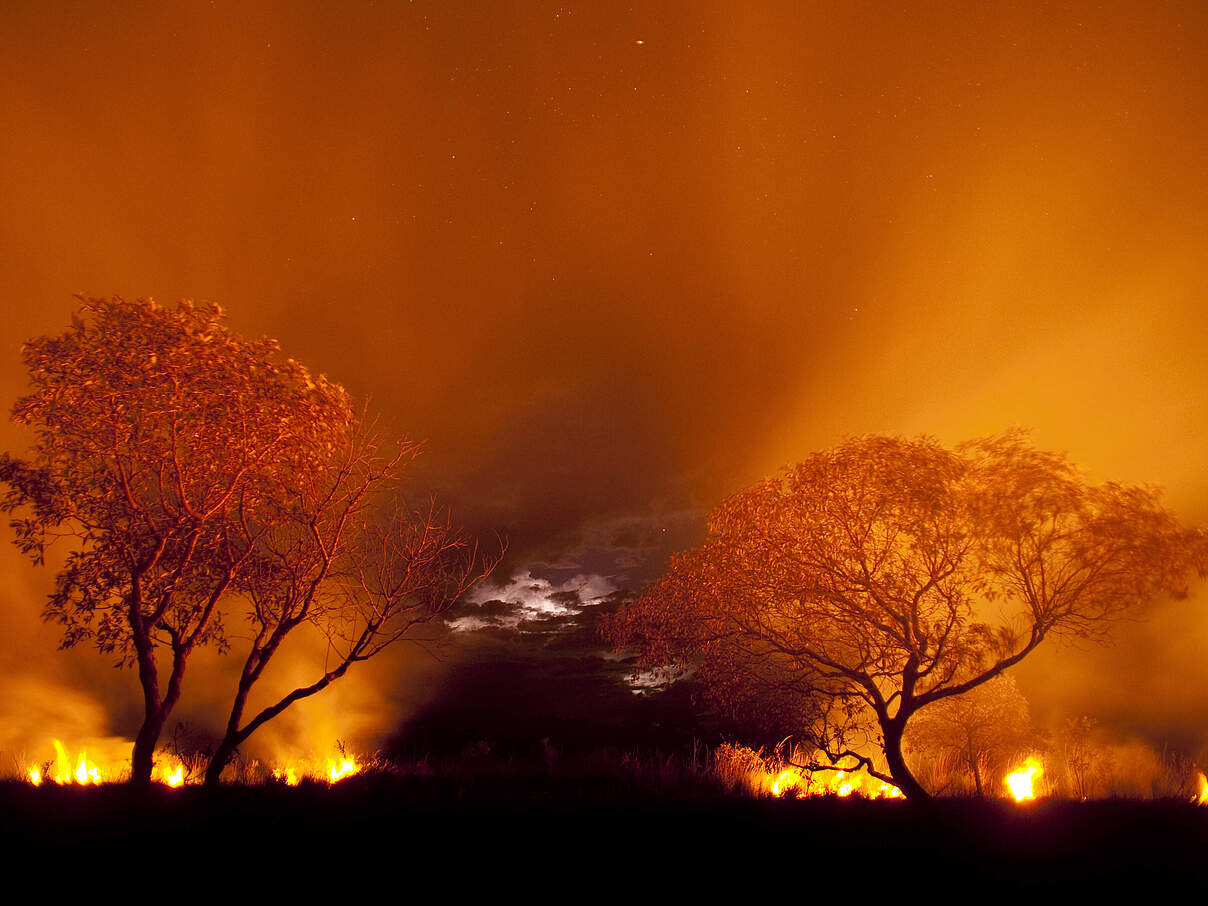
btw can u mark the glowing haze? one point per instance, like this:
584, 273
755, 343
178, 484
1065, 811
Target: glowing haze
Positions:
614, 264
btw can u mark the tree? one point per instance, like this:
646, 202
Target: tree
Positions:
982, 731
363, 584
178, 457
1086, 758
885, 575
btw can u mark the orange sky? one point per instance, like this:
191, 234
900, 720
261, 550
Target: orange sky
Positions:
622, 262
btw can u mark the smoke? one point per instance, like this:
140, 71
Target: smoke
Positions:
1148, 682
43, 697
30, 706
606, 280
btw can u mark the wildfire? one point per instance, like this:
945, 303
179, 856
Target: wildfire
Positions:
83, 771
1201, 795
1021, 782
333, 770
169, 770
828, 783
173, 777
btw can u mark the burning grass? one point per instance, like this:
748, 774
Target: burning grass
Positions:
671, 814
724, 808
729, 771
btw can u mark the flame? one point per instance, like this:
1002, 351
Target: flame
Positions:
1021, 782
85, 772
171, 777
1201, 795
346, 768
827, 783
331, 770
64, 770
170, 770
82, 770
783, 783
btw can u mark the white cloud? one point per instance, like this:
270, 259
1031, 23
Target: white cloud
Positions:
530, 598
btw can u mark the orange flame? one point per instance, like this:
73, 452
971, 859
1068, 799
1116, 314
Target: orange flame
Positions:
827, 783
83, 771
1021, 783
170, 770
171, 777
332, 770
1201, 794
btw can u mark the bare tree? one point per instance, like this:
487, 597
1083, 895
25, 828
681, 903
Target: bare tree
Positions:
885, 575
1087, 760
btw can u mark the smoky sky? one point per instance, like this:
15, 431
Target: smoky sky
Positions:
614, 262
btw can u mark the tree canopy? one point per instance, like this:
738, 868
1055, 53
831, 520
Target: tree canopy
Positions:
194, 469
886, 574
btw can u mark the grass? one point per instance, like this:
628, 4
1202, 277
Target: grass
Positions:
686, 819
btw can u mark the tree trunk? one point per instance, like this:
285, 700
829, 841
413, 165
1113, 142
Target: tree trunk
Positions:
902, 778
235, 737
232, 738
155, 709
219, 760
154, 715
143, 759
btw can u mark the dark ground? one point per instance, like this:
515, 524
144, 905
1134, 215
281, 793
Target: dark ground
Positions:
573, 836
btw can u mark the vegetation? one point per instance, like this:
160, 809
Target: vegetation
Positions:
884, 576
195, 472
978, 737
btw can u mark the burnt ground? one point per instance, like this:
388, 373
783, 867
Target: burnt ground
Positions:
582, 836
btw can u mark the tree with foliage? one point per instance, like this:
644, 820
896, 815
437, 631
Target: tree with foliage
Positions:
885, 575
178, 457
362, 583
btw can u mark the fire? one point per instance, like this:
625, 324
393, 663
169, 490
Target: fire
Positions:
332, 770
784, 782
346, 768
172, 777
1021, 782
85, 772
170, 770
1201, 795
81, 770
828, 783
287, 776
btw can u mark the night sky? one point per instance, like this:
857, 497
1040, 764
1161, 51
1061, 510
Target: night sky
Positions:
614, 263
